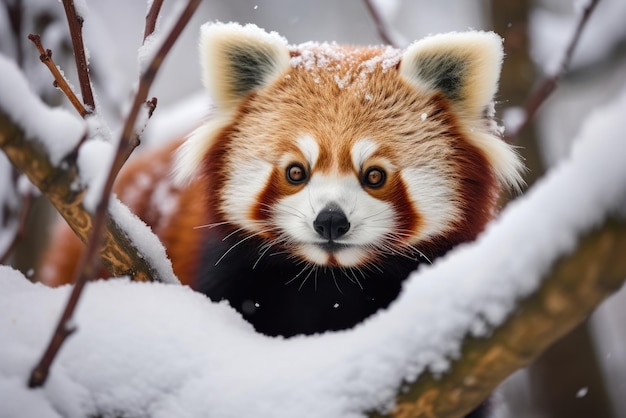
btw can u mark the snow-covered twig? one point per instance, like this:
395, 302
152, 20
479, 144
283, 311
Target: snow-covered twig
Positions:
45, 55
550, 83
75, 23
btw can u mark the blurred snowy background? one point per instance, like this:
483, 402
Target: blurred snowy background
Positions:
582, 376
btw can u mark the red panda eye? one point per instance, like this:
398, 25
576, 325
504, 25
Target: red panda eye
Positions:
374, 177
296, 174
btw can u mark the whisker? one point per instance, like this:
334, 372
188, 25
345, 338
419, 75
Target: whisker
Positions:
308, 275
263, 249
212, 225
332, 272
238, 243
306, 266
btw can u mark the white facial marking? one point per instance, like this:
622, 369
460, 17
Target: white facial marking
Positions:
434, 197
361, 151
370, 219
309, 148
239, 189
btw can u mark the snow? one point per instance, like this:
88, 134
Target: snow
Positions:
81, 9
153, 42
316, 57
157, 350
144, 239
512, 118
94, 162
57, 129
177, 120
582, 392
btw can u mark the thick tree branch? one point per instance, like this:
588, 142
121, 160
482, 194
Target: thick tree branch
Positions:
569, 293
119, 253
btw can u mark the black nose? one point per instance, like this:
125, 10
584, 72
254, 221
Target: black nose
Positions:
331, 223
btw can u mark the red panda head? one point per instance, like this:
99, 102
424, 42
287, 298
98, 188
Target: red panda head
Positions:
340, 155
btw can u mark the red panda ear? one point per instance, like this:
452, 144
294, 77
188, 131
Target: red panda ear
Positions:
465, 67
239, 59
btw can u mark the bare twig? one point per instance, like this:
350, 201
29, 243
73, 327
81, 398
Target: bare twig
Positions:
126, 145
151, 18
385, 33
550, 83
75, 23
84, 271
129, 139
27, 205
59, 81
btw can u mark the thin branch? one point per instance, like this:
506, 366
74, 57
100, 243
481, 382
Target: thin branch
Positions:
27, 205
129, 139
151, 18
75, 23
84, 272
127, 143
385, 33
549, 84
59, 81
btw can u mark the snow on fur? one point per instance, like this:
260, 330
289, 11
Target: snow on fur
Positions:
158, 350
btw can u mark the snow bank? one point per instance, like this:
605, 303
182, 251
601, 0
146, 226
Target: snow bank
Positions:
162, 351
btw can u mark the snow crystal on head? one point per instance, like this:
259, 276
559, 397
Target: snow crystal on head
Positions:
346, 65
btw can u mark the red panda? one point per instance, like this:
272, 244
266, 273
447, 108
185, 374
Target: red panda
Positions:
326, 175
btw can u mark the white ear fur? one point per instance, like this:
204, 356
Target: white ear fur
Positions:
190, 154
238, 59
235, 60
465, 67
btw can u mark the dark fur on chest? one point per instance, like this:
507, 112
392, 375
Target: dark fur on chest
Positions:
280, 295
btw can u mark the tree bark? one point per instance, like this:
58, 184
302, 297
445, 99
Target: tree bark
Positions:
119, 254
574, 287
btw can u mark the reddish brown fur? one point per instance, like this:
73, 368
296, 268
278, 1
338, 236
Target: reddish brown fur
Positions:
138, 186
310, 102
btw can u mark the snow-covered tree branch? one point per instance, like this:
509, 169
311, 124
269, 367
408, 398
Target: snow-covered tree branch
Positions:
576, 284
50, 161
459, 328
